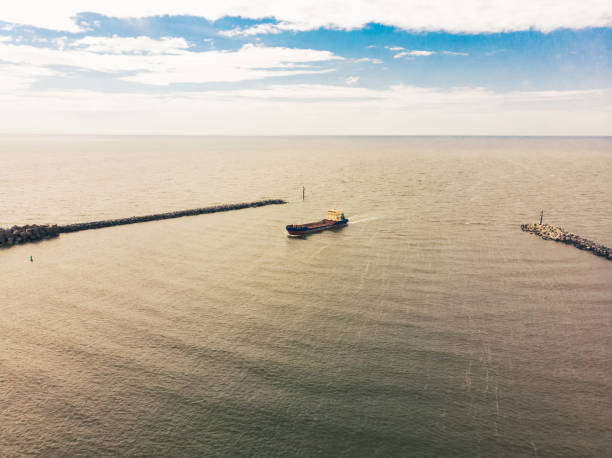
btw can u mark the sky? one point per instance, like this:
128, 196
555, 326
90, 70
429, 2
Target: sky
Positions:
317, 67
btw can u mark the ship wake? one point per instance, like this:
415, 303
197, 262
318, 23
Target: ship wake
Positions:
364, 220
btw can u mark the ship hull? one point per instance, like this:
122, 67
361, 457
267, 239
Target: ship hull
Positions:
303, 229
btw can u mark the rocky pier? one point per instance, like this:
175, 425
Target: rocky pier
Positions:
25, 234
548, 232
17, 235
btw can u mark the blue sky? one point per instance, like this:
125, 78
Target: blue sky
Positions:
452, 68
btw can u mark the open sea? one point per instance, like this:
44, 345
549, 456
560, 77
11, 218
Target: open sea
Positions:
430, 326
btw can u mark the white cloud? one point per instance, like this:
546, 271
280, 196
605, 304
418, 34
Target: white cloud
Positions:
312, 109
395, 48
422, 53
258, 29
123, 45
179, 66
351, 80
267, 28
18, 77
368, 59
60, 42
470, 16
414, 53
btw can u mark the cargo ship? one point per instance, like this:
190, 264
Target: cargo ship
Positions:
333, 218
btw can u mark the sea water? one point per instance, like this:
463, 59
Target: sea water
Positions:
430, 326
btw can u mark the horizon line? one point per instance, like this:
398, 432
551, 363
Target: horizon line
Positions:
7, 134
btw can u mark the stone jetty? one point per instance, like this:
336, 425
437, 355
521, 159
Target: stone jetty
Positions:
33, 233
26, 234
548, 232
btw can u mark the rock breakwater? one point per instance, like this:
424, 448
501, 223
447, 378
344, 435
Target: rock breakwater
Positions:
25, 234
17, 235
548, 232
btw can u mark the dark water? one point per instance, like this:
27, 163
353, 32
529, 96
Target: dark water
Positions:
430, 326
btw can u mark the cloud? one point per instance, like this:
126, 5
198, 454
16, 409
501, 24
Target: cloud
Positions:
422, 53
259, 29
399, 96
458, 16
453, 53
125, 45
414, 53
495, 51
368, 59
178, 65
395, 48
267, 28
19, 77
313, 109
351, 80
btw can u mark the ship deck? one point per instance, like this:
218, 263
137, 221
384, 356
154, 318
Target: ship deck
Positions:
323, 222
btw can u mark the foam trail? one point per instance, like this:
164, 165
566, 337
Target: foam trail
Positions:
363, 220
